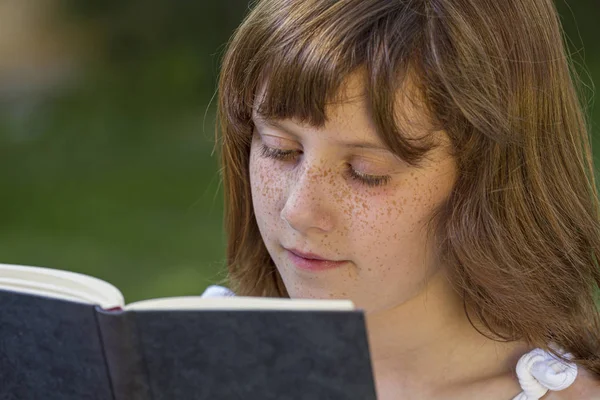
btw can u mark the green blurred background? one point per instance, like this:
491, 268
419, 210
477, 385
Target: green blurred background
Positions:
107, 135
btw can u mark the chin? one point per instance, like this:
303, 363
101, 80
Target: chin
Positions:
301, 291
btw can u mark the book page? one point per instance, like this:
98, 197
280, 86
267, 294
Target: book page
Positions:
82, 288
240, 303
60, 284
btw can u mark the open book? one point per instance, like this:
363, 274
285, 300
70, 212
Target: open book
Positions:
65, 335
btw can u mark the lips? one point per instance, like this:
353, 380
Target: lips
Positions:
308, 256
312, 262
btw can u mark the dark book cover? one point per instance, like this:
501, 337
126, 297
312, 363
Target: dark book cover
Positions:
55, 349
50, 349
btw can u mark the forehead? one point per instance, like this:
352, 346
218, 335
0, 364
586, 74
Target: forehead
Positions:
350, 100
349, 109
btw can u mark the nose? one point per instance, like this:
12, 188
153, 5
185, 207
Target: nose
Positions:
308, 206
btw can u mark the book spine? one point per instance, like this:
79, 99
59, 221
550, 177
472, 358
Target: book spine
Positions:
124, 355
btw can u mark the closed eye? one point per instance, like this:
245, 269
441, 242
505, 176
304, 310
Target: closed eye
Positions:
278, 154
362, 178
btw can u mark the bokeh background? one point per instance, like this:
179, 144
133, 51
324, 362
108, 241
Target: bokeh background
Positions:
107, 113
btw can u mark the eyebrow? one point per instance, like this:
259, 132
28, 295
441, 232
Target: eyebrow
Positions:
353, 145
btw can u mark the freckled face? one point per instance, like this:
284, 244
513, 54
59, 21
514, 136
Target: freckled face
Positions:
313, 191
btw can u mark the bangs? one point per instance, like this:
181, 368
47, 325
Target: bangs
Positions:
290, 60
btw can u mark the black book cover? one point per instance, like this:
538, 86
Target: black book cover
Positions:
55, 349
50, 349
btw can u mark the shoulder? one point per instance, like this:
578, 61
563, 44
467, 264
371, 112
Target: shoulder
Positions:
585, 387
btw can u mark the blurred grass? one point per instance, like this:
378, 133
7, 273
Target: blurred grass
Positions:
114, 175
98, 182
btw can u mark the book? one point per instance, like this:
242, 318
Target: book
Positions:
67, 336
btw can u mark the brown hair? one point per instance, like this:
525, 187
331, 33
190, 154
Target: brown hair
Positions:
520, 231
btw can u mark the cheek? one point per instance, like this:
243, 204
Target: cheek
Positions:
266, 182
391, 229
373, 214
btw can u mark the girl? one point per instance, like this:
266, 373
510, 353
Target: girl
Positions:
429, 160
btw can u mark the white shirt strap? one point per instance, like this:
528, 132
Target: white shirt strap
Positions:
217, 291
539, 371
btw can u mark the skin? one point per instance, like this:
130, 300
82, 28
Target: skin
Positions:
422, 344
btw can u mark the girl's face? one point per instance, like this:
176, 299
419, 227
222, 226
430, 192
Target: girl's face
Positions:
338, 194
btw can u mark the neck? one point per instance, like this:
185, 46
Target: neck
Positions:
428, 341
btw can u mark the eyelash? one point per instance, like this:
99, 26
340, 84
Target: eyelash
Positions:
287, 155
